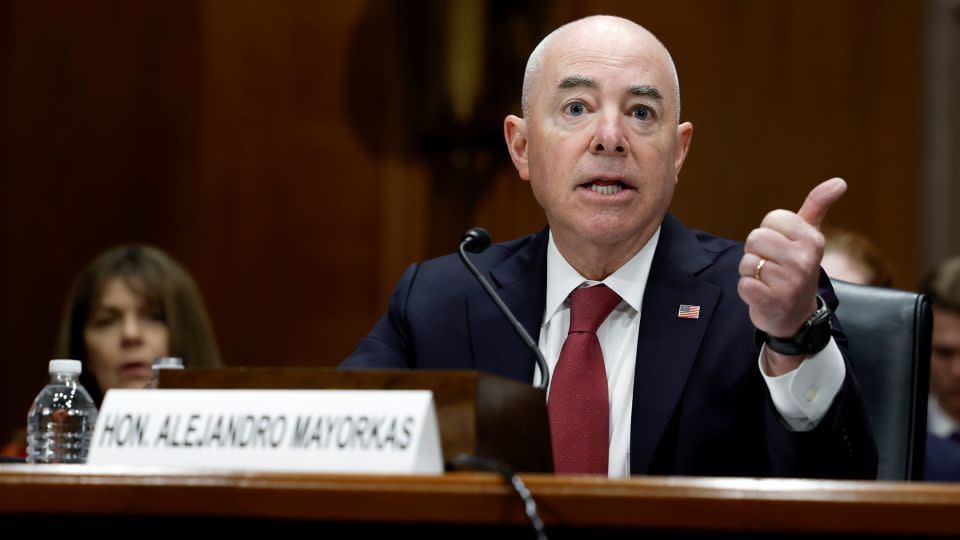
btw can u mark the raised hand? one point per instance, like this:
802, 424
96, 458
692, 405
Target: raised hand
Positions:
781, 263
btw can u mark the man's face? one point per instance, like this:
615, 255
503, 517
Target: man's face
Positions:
600, 144
945, 361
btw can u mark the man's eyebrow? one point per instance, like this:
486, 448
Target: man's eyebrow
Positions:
575, 81
646, 90
639, 90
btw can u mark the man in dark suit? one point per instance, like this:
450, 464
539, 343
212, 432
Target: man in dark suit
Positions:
670, 351
942, 285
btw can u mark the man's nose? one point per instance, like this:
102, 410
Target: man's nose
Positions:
609, 137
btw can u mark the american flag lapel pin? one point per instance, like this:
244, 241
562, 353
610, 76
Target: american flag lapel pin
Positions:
688, 312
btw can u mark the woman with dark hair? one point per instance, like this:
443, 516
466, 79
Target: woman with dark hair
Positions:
129, 306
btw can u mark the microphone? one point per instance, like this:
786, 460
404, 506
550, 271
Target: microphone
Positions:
476, 240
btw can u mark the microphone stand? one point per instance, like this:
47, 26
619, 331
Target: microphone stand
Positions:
476, 240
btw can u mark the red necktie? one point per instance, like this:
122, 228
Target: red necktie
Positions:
578, 405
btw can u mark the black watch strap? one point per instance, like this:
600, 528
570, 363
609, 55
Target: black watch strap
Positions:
812, 337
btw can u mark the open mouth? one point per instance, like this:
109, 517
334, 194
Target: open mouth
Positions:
605, 187
135, 369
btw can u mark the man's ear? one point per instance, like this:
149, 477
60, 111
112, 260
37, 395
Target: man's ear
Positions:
684, 135
515, 133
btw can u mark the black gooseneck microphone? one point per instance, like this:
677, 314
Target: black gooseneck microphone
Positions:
476, 240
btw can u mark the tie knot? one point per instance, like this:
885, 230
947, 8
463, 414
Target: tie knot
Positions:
589, 307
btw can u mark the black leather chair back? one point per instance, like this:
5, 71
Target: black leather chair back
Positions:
889, 345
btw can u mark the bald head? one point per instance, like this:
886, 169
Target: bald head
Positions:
593, 24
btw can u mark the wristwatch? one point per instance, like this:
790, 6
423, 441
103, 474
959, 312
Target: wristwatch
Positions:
812, 337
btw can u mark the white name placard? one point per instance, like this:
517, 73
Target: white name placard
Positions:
361, 431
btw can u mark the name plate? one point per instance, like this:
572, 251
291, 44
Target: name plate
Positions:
359, 431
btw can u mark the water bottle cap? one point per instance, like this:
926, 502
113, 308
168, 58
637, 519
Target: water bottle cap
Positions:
65, 366
168, 362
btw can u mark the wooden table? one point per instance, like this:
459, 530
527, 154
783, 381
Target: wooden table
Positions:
467, 504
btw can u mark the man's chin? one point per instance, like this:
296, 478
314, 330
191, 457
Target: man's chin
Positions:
614, 232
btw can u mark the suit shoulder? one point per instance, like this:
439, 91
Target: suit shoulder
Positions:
451, 265
719, 246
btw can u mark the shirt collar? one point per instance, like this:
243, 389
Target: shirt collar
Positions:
938, 421
629, 281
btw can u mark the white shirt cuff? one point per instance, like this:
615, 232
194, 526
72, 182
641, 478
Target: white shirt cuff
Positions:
804, 395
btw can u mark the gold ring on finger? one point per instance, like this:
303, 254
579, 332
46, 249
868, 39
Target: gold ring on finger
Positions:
756, 272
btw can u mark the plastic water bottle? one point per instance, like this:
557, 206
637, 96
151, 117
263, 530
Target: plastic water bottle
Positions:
164, 362
60, 422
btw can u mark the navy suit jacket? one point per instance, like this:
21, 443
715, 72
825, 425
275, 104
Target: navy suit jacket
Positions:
700, 405
942, 460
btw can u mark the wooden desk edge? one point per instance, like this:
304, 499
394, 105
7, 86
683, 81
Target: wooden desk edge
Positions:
731, 504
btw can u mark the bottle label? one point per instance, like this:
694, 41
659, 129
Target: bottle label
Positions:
362, 431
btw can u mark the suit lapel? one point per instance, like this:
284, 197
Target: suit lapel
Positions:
667, 345
521, 281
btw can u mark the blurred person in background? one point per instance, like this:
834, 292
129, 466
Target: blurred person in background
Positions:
129, 306
851, 257
942, 285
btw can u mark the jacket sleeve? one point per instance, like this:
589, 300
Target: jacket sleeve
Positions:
388, 345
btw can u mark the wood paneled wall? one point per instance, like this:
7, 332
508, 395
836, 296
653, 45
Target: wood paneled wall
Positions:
296, 156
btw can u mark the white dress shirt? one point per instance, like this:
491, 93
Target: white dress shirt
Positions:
802, 396
939, 422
